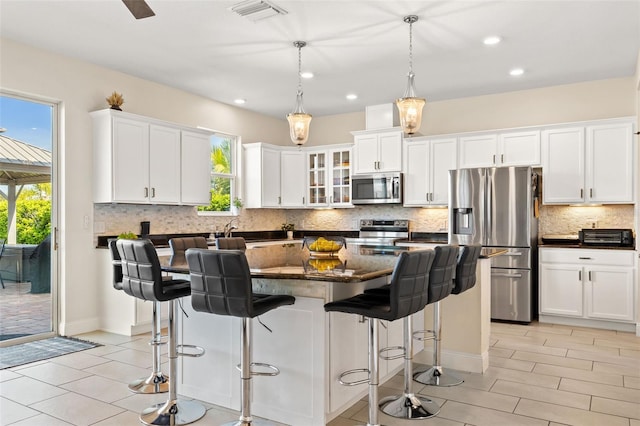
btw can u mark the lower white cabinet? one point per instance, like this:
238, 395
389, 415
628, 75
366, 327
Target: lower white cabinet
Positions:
587, 283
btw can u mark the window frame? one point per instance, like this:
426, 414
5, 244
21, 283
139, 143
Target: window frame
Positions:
234, 176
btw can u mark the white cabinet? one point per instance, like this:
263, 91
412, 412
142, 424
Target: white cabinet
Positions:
378, 151
426, 170
195, 173
517, 148
139, 160
329, 178
273, 177
588, 164
292, 183
589, 284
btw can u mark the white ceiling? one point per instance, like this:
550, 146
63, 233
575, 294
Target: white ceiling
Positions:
353, 46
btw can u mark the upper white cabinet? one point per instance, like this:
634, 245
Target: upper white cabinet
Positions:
273, 177
329, 178
517, 148
377, 151
588, 164
426, 170
196, 174
140, 160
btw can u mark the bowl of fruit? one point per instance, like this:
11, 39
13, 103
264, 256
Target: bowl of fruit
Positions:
324, 246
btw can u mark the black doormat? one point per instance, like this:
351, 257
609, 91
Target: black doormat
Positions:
25, 353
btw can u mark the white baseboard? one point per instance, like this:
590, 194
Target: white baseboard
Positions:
583, 322
79, 327
460, 361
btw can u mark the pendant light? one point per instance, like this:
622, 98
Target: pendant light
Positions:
298, 119
410, 106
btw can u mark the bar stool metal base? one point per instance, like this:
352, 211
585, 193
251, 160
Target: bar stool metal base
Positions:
409, 406
155, 383
253, 422
435, 376
173, 412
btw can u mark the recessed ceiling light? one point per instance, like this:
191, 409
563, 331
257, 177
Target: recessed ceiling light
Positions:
516, 72
352, 96
491, 40
240, 101
306, 74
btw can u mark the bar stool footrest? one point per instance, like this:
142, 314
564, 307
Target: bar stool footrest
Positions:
392, 348
355, 382
274, 370
421, 335
198, 351
163, 341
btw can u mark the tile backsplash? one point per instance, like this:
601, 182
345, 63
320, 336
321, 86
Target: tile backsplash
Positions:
117, 218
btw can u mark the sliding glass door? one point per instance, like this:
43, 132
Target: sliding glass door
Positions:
28, 304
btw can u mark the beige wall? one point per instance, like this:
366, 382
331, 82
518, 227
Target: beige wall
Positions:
558, 104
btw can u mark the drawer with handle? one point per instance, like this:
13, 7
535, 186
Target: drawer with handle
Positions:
587, 257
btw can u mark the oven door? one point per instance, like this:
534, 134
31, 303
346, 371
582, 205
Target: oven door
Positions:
383, 188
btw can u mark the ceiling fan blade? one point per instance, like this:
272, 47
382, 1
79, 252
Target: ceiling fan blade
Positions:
139, 8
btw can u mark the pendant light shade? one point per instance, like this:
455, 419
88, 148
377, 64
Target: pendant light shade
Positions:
410, 106
298, 119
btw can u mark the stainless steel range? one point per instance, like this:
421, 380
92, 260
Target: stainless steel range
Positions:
378, 236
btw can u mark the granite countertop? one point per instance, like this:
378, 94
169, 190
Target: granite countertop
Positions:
291, 261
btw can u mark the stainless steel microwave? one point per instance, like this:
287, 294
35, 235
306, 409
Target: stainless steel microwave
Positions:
378, 188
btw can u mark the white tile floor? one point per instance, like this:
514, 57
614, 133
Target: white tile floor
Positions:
539, 375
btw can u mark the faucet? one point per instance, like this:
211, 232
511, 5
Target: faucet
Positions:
230, 227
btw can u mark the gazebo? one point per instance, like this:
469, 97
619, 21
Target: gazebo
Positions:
20, 164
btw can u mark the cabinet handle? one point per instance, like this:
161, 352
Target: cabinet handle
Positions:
579, 275
279, 200
331, 199
432, 196
590, 192
502, 158
581, 193
584, 258
589, 275
146, 192
302, 200
494, 159
153, 193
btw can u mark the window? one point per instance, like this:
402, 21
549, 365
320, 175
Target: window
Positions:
224, 168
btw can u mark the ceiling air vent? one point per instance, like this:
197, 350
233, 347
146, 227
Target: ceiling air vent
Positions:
256, 10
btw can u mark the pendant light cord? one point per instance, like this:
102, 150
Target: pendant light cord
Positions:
410, 47
299, 68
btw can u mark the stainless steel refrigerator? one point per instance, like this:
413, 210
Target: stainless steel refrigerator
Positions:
494, 207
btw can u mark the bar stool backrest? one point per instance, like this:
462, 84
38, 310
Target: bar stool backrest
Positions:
409, 287
116, 262
220, 282
442, 272
231, 243
180, 245
466, 269
141, 273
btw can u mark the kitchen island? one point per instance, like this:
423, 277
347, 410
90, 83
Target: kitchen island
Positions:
310, 347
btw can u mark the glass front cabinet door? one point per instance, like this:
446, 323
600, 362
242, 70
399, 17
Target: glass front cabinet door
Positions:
329, 178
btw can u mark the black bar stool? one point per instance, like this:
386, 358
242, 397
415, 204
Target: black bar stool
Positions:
406, 295
157, 382
221, 284
142, 278
231, 243
465, 278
